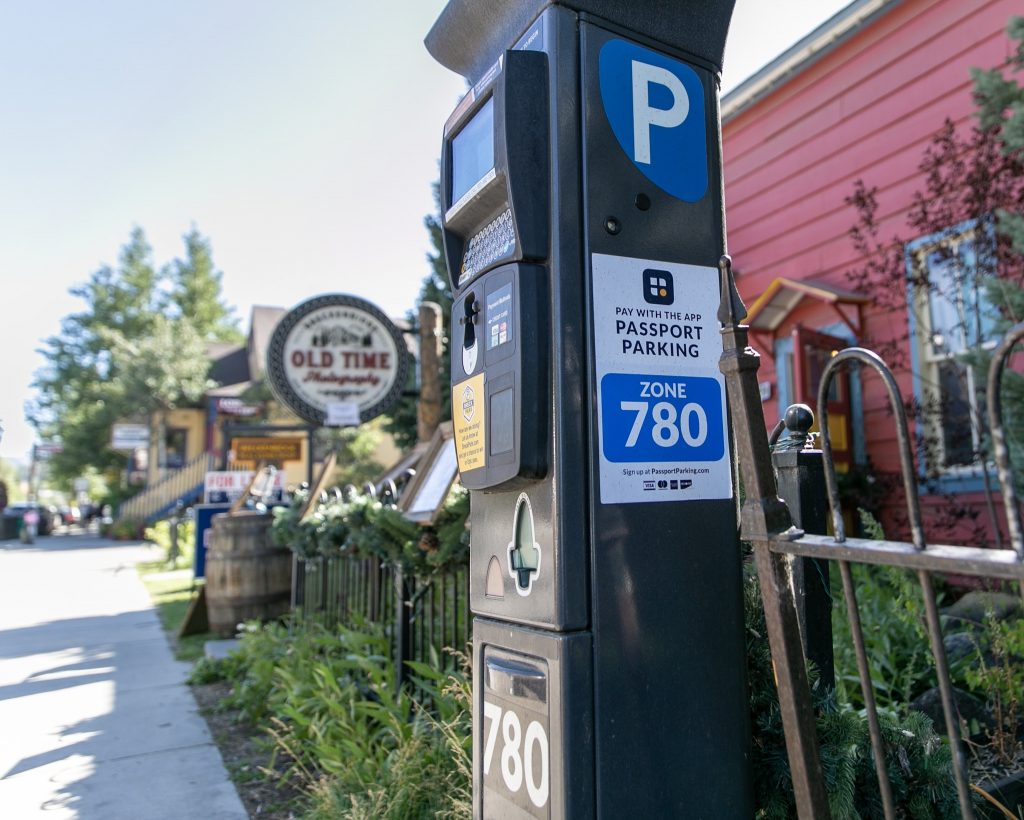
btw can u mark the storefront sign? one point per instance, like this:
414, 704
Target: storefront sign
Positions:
129, 437
266, 449
237, 407
223, 487
45, 450
336, 349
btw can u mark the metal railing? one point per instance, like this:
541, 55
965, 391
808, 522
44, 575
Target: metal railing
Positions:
181, 485
767, 525
423, 618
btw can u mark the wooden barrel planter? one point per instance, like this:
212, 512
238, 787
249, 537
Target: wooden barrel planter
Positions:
247, 576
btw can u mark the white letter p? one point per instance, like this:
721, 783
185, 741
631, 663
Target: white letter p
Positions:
644, 116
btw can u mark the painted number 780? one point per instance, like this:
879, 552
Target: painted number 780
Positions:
690, 422
518, 752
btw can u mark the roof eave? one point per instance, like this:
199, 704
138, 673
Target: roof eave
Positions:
820, 42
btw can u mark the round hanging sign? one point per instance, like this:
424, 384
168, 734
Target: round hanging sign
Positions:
337, 353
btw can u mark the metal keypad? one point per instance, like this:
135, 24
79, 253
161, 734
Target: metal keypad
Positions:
494, 241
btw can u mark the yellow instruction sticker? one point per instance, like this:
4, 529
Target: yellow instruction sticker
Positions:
468, 416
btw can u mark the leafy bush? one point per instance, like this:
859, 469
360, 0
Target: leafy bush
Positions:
160, 534
215, 670
365, 528
918, 761
895, 633
362, 749
427, 773
895, 637
123, 529
999, 677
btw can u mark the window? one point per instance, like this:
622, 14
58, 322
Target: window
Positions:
175, 448
953, 321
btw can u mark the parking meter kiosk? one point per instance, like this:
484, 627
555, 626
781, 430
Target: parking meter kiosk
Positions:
582, 224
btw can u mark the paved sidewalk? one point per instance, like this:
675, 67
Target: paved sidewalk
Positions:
96, 721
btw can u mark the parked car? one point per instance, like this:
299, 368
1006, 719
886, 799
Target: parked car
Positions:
70, 515
18, 509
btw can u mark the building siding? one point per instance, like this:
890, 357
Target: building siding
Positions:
867, 109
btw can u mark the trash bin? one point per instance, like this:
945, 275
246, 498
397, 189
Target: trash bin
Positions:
9, 527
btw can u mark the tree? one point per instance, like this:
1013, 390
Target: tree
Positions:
196, 291
435, 288
355, 448
961, 280
134, 348
10, 482
79, 395
1000, 102
160, 371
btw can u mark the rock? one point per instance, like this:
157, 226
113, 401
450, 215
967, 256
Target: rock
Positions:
961, 646
969, 707
975, 606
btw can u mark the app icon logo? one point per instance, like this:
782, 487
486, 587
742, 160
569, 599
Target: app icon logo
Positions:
658, 287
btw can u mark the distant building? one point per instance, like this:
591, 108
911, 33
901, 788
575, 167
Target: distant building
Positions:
211, 435
191, 432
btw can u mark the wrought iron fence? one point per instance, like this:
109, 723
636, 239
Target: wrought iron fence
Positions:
423, 618
767, 525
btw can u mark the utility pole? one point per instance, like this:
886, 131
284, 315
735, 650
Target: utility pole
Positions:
428, 406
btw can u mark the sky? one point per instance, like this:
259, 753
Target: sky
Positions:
301, 138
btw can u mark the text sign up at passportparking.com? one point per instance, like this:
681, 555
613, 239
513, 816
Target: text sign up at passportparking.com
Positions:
659, 418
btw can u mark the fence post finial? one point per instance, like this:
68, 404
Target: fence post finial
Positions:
763, 514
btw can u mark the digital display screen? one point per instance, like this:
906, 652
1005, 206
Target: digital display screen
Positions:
473, 151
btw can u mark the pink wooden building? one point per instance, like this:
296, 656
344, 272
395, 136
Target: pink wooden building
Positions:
858, 98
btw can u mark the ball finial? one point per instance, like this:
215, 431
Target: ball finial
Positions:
799, 419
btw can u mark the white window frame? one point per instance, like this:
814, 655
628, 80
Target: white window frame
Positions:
961, 296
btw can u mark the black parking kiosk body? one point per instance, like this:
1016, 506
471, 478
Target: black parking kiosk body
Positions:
582, 222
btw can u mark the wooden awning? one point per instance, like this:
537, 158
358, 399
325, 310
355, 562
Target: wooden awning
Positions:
782, 296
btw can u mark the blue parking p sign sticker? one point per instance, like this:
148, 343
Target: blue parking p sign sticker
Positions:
660, 395
655, 106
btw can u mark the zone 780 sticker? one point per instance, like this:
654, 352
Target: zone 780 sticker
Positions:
661, 418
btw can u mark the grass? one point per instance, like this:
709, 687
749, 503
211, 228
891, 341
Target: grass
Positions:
171, 593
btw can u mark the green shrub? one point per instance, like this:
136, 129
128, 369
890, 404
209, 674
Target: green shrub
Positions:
998, 676
363, 750
124, 529
918, 761
427, 773
160, 534
895, 637
327, 699
892, 617
215, 670
365, 528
